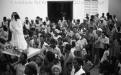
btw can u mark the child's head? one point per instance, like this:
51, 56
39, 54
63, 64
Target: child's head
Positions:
50, 56
56, 69
73, 44
30, 69
23, 58
39, 60
67, 48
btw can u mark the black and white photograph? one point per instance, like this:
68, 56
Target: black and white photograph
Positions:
60, 37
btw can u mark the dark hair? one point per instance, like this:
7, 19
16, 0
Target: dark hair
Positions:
15, 15
4, 18
67, 48
23, 59
50, 56
79, 61
52, 46
53, 41
78, 20
30, 69
36, 21
37, 17
73, 44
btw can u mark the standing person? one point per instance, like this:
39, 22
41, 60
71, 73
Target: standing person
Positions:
103, 16
26, 26
21, 64
16, 28
5, 24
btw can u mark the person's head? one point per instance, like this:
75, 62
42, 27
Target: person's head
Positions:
32, 21
26, 18
92, 17
39, 60
56, 69
103, 14
87, 15
47, 18
50, 56
4, 19
103, 35
53, 42
97, 15
74, 29
40, 19
15, 16
91, 29
79, 61
23, 58
73, 44
67, 48
84, 21
101, 21
60, 41
31, 69
78, 21
37, 18
99, 31
107, 14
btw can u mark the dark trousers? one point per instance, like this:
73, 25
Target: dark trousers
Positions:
98, 53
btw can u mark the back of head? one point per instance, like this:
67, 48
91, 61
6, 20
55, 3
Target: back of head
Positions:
31, 69
50, 56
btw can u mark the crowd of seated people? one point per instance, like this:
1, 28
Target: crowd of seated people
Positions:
68, 47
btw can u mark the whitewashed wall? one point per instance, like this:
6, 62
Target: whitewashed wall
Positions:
33, 8
29, 8
103, 6
115, 8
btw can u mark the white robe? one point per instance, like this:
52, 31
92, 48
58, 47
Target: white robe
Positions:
18, 39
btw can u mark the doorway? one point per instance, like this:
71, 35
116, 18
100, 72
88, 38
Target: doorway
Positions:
59, 9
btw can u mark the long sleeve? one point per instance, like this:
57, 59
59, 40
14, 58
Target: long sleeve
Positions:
19, 26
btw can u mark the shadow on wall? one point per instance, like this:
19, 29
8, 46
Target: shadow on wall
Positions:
115, 8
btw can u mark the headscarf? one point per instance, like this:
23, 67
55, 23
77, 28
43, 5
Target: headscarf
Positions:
56, 66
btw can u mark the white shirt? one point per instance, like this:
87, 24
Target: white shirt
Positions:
27, 26
106, 53
81, 43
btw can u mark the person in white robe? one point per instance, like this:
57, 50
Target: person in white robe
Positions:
16, 28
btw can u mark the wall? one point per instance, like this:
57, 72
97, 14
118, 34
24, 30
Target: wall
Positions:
115, 8
29, 8
103, 6
33, 8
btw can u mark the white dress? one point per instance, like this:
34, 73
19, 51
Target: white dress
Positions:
18, 39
